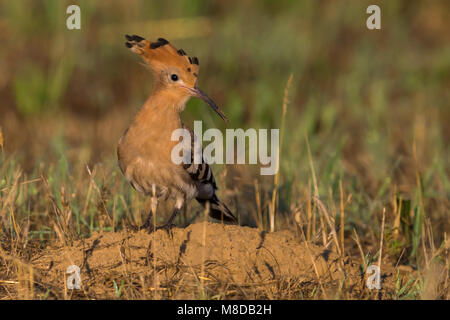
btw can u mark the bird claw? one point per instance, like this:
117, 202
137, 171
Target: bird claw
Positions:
146, 226
132, 227
151, 228
168, 227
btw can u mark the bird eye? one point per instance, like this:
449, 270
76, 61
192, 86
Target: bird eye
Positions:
174, 77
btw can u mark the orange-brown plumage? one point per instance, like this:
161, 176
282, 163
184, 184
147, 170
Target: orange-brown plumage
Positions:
144, 151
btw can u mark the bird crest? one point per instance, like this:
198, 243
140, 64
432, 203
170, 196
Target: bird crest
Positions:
160, 54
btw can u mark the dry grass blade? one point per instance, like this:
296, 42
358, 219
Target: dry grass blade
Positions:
316, 271
258, 214
361, 252
100, 194
202, 271
330, 224
341, 206
316, 192
276, 178
22, 183
381, 239
1, 139
8, 200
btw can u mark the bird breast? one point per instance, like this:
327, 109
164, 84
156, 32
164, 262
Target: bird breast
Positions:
147, 162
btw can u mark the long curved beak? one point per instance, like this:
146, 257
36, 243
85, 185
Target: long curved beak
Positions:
200, 94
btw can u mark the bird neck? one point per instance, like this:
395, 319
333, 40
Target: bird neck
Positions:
162, 109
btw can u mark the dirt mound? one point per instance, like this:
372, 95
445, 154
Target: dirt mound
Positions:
204, 258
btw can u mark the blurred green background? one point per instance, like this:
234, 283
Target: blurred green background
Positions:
366, 100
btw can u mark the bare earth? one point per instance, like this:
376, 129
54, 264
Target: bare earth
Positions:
203, 260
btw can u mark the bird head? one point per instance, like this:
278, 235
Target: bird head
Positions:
172, 68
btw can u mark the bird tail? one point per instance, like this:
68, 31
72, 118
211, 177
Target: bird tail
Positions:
218, 210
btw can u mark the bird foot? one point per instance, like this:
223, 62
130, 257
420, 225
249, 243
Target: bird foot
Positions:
149, 227
168, 227
132, 227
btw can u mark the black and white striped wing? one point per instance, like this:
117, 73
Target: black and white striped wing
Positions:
201, 172
202, 175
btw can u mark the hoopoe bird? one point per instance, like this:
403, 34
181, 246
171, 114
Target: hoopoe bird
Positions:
144, 150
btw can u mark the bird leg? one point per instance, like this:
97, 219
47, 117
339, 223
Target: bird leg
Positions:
154, 203
169, 224
148, 224
178, 205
